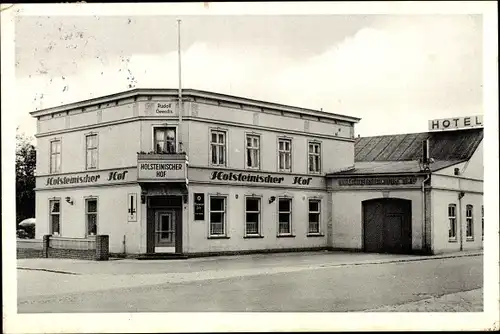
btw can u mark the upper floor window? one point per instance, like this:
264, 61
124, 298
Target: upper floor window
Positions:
55, 217
315, 157
285, 155
218, 147
164, 140
469, 219
55, 156
253, 151
91, 151
452, 222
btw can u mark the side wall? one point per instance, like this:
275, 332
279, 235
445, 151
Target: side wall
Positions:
347, 215
112, 216
446, 191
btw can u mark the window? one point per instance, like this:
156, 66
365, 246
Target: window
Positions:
452, 218
164, 140
315, 157
314, 216
55, 156
469, 221
55, 217
284, 216
252, 216
91, 151
253, 151
285, 155
217, 216
91, 216
482, 222
218, 147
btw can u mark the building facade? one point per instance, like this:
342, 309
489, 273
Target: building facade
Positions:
223, 174
230, 175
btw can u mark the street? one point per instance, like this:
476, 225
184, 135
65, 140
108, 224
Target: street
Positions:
295, 283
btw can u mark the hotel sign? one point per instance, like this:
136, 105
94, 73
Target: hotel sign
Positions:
456, 123
155, 170
378, 181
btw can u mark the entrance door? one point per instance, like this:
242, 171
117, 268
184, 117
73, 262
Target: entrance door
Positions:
164, 232
387, 225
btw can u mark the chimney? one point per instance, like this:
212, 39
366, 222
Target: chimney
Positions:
425, 151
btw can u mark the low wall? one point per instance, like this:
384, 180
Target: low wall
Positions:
95, 248
29, 248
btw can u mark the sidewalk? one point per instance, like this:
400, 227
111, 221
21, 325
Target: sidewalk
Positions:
45, 277
465, 301
303, 260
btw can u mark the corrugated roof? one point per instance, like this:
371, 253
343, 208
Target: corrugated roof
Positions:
456, 145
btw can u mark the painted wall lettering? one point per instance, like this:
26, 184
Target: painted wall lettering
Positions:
242, 177
164, 108
103, 177
375, 181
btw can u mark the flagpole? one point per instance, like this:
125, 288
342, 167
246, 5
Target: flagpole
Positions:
180, 82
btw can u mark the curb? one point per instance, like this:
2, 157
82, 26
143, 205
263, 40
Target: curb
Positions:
49, 270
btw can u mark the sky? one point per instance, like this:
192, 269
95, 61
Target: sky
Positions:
395, 72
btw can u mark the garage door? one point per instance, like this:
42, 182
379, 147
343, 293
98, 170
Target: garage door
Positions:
387, 225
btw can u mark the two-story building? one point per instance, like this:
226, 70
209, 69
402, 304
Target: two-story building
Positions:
213, 174
223, 174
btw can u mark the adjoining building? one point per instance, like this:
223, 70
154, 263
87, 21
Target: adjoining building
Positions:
223, 174
417, 192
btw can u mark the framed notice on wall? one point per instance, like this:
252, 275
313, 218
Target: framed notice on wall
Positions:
132, 207
199, 206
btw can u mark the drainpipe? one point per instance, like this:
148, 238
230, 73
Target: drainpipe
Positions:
424, 209
460, 196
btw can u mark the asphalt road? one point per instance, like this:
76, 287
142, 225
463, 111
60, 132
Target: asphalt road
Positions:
328, 289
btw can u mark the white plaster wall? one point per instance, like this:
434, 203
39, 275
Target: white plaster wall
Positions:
440, 223
197, 231
347, 211
336, 154
112, 214
118, 147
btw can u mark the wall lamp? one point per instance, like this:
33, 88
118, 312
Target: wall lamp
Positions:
272, 199
69, 200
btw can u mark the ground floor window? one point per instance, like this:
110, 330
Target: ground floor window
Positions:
284, 216
91, 216
55, 217
217, 209
469, 222
452, 218
252, 216
314, 216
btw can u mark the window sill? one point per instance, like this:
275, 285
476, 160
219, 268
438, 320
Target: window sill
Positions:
285, 236
312, 235
253, 236
452, 240
469, 239
218, 237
